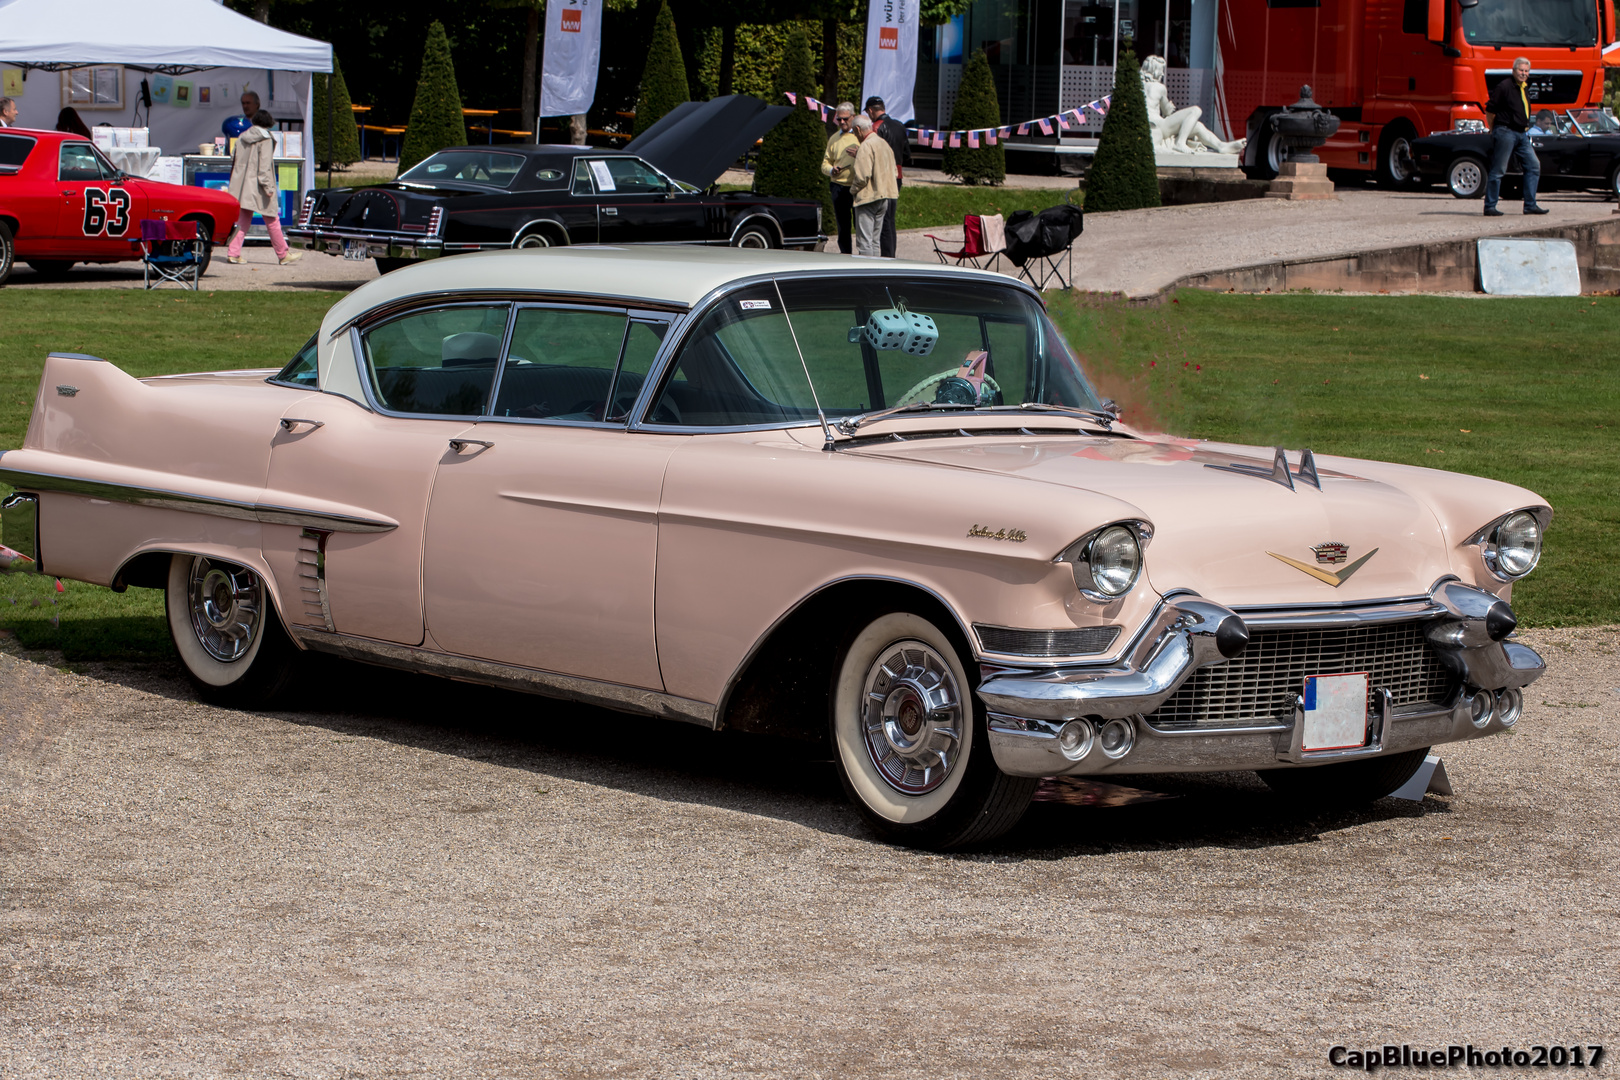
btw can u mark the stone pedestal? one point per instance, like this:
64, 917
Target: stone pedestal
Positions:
1302, 180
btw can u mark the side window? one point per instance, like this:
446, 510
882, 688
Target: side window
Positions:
14, 149
582, 177
632, 176
641, 344
302, 371
79, 162
437, 362
561, 364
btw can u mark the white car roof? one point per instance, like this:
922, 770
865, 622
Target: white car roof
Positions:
679, 275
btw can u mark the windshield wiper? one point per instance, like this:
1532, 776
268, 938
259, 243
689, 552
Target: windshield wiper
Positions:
1102, 416
851, 424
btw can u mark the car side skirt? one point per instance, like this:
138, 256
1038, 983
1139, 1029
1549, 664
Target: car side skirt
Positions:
628, 699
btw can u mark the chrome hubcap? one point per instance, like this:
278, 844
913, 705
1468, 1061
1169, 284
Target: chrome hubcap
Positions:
752, 240
1466, 177
1401, 165
226, 602
534, 240
912, 717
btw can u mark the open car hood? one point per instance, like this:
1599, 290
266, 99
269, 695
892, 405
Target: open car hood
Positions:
697, 140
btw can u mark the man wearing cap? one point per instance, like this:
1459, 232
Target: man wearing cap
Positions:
894, 133
837, 165
1508, 114
872, 183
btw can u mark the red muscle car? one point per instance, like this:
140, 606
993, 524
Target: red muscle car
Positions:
62, 202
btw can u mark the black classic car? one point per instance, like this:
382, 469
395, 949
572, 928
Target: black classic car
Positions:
1582, 151
658, 190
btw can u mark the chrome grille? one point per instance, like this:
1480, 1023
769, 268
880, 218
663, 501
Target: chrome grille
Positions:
1259, 685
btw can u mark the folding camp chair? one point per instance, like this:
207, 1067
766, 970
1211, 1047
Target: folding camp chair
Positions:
982, 240
1042, 245
171, 251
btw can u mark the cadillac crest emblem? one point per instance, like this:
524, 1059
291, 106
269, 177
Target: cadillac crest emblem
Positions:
1332, 553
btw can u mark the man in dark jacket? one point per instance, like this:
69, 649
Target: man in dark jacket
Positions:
1508, 113
894, 133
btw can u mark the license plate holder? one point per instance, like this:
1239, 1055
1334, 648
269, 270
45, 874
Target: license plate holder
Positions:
1335, 713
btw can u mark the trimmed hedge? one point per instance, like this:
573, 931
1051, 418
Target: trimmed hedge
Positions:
436, 120
344, 146
977, 106
790, 159
663, 80
1123, 175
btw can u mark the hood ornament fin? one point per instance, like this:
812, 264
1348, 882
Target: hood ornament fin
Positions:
1279, 473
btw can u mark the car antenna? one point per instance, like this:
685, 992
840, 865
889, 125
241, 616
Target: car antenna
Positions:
825, 430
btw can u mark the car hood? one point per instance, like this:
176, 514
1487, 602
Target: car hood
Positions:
1215, 530
698, 140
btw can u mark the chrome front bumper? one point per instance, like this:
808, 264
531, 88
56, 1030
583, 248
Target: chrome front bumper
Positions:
1028, 709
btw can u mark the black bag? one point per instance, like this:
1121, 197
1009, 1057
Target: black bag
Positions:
1031, 235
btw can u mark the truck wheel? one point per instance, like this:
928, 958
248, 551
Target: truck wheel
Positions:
1397, 167
227, 632
912, 749
7, 252
1349, 783
1466, 177
1269, 154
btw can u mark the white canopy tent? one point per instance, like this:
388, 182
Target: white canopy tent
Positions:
170, 38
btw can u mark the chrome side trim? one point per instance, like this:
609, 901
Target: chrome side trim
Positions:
630, 699
195, 504
445, 297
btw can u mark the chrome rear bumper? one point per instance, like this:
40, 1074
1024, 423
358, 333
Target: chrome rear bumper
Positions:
1028, 709
377, 245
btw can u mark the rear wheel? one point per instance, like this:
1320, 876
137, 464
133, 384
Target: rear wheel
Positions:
755, 236
50, 268
1349, 783
537, 239
7, 252
1397, 167
912, 748
226, 630
1466, 178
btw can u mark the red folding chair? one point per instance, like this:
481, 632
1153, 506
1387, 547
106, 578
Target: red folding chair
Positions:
170, 251
973, 252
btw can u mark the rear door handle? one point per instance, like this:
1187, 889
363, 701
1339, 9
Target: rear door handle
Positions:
288, 423
460, 445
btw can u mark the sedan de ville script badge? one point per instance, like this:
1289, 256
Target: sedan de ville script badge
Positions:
1331, 553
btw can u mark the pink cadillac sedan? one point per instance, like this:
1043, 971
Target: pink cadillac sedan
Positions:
877, 503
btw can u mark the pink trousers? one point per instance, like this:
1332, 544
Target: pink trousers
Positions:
243, 220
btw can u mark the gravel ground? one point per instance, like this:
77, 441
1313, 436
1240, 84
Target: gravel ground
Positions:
420, 879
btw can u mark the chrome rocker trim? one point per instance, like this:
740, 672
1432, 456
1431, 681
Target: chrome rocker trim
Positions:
1027, 709
629, 699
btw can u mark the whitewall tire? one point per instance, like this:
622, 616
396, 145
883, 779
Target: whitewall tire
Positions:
226, 630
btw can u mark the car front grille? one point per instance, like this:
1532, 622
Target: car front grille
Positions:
1258, 687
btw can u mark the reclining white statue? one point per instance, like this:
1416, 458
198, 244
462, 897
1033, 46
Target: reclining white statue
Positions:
1178, 130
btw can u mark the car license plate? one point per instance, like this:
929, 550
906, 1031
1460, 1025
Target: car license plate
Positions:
1335, 712
356, 250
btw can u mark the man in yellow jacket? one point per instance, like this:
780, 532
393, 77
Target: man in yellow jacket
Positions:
837, 166
874, 185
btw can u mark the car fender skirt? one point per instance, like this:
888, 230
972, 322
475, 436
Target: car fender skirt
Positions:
144, 487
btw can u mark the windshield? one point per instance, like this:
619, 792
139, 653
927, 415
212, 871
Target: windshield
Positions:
466, 166
1594, 121
869, 343
1531, 22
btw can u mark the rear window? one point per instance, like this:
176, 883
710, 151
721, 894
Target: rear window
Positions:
466, 166
14, 149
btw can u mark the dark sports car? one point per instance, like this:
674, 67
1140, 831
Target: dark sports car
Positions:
658, 190
1583, 152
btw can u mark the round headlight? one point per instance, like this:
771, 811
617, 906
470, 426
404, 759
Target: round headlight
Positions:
1115, 560
1516, 544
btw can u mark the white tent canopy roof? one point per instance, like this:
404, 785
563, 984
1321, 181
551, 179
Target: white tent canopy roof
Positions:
161, 34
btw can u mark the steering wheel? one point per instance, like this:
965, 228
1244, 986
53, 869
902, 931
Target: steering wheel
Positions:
927, 386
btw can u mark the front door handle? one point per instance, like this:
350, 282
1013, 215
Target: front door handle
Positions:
460, 445
288, 423
611, 211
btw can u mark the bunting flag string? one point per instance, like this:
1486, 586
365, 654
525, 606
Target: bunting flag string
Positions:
938, 140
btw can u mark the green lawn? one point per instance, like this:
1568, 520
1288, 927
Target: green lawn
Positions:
1521, 390
1532, 381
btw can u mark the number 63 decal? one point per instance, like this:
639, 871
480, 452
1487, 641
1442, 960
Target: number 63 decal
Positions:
106, 211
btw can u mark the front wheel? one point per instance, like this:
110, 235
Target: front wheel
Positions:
1614, 183
1349, 783
7, 252
205, 233
912, 749
1466, 178
225, 628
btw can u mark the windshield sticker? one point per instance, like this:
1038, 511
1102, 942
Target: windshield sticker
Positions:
754, 305
604, 179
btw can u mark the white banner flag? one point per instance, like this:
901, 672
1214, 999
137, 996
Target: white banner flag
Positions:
891, 56
573, 47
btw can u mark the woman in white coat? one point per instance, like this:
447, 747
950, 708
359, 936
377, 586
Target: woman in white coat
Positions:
253, 183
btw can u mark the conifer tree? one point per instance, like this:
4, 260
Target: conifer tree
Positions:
977, 106
790, 160
343, 148
663, 80
436, 120
1123, 175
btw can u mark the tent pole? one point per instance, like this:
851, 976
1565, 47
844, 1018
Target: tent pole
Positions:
331, 129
